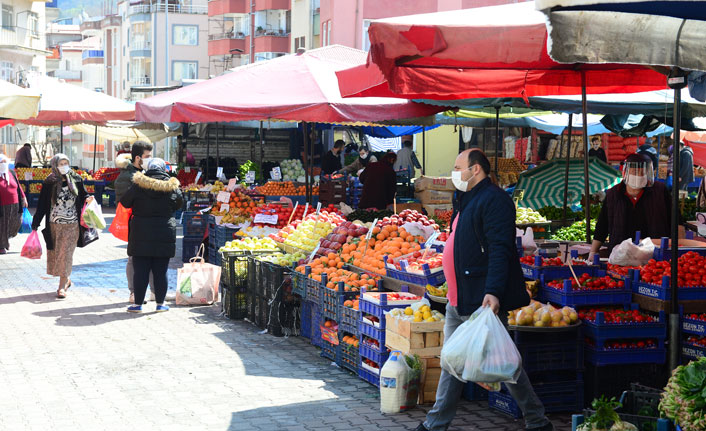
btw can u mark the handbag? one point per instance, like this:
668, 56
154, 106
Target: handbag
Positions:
86, 236
197, 281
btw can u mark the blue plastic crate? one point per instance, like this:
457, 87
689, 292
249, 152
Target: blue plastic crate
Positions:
601, 330
368, 376
600, 356
574, 298
299, 282
313, 289
331, 351
691, 351
348, 320
331, 301
189, 248
504, 403
378, 310
560, 351
305, 311
693, 326
373, 332
537, 271
556, 397
435, 279
377, 355
473, 392
664, 251
664, 291
349, 357
316, 320
224, 234
195, 224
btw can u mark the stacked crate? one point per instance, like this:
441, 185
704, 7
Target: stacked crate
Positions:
332, 192
194, 228
355, 191
218, 236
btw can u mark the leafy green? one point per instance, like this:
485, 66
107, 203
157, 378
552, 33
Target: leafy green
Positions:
684, 398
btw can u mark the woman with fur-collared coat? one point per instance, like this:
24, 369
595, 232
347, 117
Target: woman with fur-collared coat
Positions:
154, 197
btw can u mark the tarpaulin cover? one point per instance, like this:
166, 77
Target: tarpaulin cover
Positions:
697, 142
16, 102
299, 87
497, 51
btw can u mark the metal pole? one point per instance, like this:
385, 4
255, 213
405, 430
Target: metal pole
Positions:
568, 162
262, 147
305, 141
659, 153
674, 324
424, 150
586, 188
208, 151
218, 153
166, 38
95, 145
61, 135
497, 134
485, 140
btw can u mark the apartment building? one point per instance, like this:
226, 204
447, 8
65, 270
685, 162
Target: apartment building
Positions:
306, 24
246, 31
161, 44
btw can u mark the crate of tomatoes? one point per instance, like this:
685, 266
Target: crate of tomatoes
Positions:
626, 322
553, 268
653, 280
586, 290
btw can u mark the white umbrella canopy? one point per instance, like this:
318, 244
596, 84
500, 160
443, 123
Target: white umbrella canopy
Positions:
17, 103
656, 33
128, 131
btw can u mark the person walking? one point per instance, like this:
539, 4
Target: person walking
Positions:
482, 269
154, 197
379, 183
12, 200
61, 200
129, 164
23, 157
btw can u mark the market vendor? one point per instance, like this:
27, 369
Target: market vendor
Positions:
332, 160
364, 157
379, 183
638, 203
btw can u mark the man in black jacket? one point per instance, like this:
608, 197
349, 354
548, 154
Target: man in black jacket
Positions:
482, 268
332, 159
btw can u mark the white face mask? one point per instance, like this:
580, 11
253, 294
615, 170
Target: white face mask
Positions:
637, 181
145, 163
64, 169
4, 167
460, 184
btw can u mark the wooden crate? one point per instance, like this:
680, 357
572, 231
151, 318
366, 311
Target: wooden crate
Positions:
431, 372
422, 338
656, 305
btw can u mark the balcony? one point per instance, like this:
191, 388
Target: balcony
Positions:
22, 39
218, 45
220, 7
140, 48
111, 21
90, 27
140, 81
271, 43
171, 8
92, 56
67, 75
271, 5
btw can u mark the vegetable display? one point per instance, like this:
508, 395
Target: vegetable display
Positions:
684, 398
528, 216
575, 232
557, 213
692, 270
605, 418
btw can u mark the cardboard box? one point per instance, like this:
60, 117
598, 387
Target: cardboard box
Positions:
416, 206
434, 197
437, 209
434, 183
422, 338
431, 372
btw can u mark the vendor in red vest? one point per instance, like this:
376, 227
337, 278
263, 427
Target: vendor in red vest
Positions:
638, 203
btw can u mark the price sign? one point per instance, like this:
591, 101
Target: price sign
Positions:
313, 253
232, 184
266, 218
224, 207
250, 177
306, 209
198, 177
431, 239
28, 176
187, 169
276, 173
223, 197
219, 172
370, 231
318, 208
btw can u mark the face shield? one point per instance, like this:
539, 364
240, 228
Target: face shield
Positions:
638, 174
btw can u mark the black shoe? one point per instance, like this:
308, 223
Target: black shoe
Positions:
547, 427
421, 427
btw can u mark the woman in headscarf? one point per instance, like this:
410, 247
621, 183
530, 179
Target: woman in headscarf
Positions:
154, 197
364, 157
12, 200
61, 201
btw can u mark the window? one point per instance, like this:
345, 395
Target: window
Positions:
8, 16
324, 32
185, 35
7, 135
184, 70
33, 24
299, 42
7, 71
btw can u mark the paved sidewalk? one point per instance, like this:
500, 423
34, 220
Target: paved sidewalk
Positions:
84, 363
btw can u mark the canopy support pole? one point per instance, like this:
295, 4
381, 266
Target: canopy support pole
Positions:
674, 324
218, 150
424, 150
61, 136
305, 141
485, 139
659, 153
208, 152
568, 162
497, 135
95, 146
586, 186
262, 148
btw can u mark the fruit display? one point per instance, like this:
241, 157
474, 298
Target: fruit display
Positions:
542, 315
241, 208
350, 341
631, 344
292, 170
443, 218
218, 186
612, 315
306, 235
39, 174
252, 244
417, 312
352, 303
692, 270
392, 298
693, 316
186, 178
257, 231
438, 291
332, 266
283, 214
528, 216
407, 216
575, 232
586, 282
622, 271
416, 261
389, 241
339, 236
281, 259
35, 188
285, 188
684, 400
549, 261
443, 237
367, 216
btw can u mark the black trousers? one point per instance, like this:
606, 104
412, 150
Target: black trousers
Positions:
143, 266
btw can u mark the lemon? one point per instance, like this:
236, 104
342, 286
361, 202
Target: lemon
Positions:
418, 319
418, 314
408, 311
424, 308
427, 314
430, 319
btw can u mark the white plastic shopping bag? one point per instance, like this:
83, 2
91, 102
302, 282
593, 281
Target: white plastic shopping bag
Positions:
92, 216
197, 282
627, 253
481, 351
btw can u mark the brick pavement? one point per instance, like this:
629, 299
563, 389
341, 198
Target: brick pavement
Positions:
85, 364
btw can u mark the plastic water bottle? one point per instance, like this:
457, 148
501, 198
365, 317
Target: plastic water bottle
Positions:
393, 382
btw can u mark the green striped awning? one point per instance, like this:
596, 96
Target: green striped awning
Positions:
544, 185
